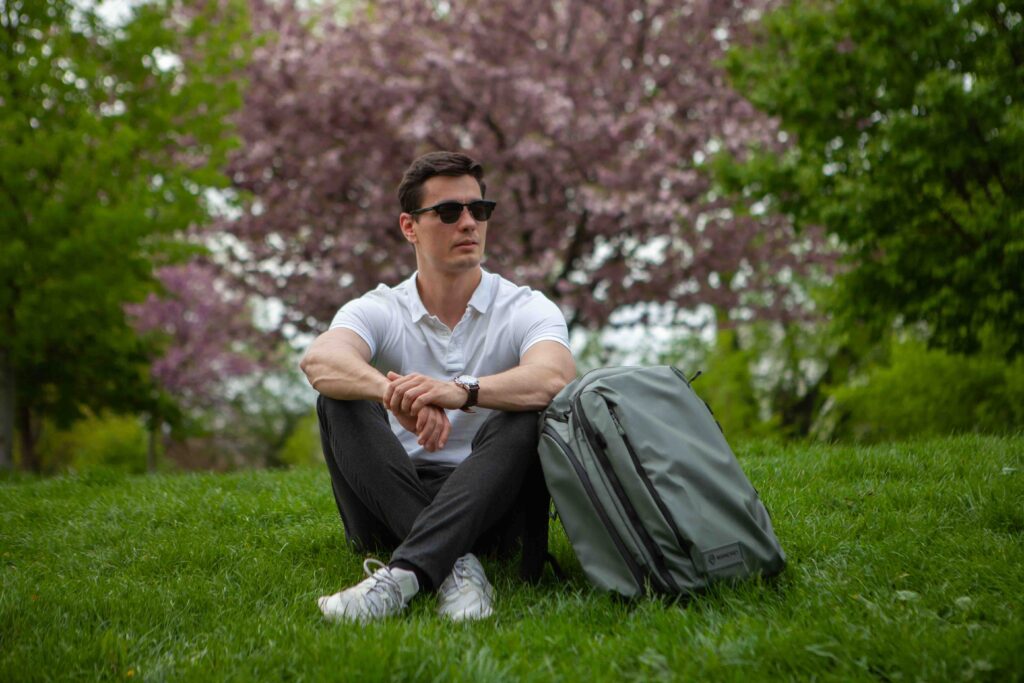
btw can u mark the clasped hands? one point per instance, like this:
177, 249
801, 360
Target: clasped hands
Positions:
418, 403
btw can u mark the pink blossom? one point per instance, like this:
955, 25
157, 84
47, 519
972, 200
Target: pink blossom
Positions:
588, 117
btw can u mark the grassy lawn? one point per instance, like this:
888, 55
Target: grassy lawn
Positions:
906, 563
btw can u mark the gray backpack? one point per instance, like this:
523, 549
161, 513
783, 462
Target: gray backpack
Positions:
650, 494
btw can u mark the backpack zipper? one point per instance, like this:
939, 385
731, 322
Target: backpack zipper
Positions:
599, 446
706, 405
639, 575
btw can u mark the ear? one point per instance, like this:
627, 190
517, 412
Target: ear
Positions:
408, 225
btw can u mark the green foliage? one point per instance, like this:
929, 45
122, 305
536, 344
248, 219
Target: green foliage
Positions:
762, 380
727, 385
922, 392
302, 447
266, 416
266, 423
112, 441
111, 136
906, 141
905, 563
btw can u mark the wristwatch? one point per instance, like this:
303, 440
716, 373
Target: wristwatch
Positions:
472, 386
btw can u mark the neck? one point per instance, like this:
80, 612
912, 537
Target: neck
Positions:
446, 295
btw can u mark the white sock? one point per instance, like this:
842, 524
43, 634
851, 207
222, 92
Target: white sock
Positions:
407, 581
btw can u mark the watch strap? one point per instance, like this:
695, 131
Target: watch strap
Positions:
472, 393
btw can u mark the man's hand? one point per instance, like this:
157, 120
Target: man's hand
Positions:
429, 423
411, 393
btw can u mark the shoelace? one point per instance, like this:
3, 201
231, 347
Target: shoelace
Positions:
465, 571
384, 589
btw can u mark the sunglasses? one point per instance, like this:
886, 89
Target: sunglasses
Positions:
450, 212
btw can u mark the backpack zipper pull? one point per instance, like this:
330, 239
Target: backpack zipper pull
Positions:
618, 425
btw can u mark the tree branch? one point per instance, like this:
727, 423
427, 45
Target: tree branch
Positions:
573, 252
574, 24
499, 135
957, 228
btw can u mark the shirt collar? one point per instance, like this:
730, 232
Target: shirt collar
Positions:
416, 308
480, 301
483, 294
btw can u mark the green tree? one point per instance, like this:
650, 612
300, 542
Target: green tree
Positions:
905, 125
112, 135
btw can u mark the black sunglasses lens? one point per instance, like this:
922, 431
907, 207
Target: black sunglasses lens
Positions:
449, 212
481, 211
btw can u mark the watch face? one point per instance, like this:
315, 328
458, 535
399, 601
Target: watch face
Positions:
466, 379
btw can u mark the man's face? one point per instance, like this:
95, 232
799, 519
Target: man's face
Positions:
443, 247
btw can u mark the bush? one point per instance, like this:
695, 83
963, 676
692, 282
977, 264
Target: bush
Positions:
303, 444
742, 373
928, 392
728, 386
111, 441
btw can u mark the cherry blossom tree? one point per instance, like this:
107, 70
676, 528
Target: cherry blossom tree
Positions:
208, 341
206, 328
594, 122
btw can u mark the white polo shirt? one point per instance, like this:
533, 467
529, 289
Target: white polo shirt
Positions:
501, 322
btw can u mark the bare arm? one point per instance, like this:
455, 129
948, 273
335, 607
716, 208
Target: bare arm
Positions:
542, 372
337, 364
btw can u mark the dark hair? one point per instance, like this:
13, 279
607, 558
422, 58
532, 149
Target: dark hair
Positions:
410, 190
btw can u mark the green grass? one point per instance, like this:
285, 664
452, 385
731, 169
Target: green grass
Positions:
906, 563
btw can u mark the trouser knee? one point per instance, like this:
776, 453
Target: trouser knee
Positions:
333, 410
515, 431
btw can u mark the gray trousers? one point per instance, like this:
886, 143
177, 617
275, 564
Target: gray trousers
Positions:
430, 515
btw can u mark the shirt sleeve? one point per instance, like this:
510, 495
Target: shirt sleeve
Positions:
367, 316
539, 319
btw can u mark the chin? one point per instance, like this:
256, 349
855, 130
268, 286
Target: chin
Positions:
466, 263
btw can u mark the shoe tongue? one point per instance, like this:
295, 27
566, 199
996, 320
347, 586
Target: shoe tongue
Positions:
407, 582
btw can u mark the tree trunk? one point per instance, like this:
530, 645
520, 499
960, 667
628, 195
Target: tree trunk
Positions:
28, 440
6, 411
156, 426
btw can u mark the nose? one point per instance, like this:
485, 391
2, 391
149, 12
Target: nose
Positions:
466, 219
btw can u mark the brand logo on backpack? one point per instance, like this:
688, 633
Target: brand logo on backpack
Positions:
721, 558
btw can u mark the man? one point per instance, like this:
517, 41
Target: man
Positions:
429, 393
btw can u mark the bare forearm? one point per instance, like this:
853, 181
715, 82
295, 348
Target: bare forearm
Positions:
527, 387
343, 376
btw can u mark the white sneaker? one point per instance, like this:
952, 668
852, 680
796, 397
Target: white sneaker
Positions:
466, 593
384, 593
